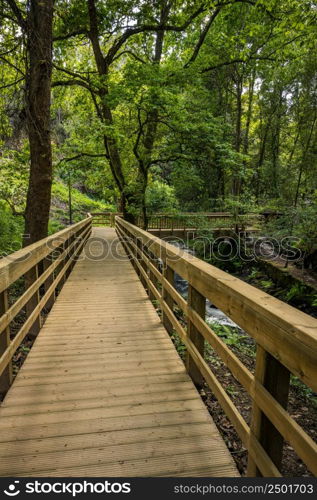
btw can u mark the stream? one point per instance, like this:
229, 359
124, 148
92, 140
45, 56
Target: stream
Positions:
213, 314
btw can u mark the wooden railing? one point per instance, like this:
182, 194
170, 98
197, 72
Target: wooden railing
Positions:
38, 272
286, 342
180, 221
103, 218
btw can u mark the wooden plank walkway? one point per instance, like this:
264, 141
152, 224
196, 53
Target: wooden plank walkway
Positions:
103, 391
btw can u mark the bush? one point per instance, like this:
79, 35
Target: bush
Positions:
11, 231
160, 197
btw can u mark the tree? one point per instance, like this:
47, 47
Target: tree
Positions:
36, 26
98, 27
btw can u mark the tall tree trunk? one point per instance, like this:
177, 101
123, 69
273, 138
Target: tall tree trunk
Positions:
276, 133
38, 101
105, 115
262, 152
153, 116
249, 113
236, 185
304, 156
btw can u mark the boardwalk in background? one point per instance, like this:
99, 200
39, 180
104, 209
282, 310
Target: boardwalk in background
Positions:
103, 391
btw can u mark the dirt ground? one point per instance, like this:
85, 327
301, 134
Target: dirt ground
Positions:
300, 406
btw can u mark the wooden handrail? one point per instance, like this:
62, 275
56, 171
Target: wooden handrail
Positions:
104, 218
44, 265
286, 342
180, 221
168, 221
13, 266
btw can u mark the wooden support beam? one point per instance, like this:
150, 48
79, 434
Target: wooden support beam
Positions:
197, 302
30, 277
6, 377
139, 257
275, 377
47, 262
168, 274
152, 276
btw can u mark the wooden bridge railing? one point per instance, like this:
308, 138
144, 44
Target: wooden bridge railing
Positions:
42, 267
177, 221
181, 221
286, 342
104, 218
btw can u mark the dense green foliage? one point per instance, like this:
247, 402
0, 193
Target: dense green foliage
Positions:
205, 105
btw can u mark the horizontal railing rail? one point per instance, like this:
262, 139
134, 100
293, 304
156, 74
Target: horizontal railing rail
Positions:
286, 342
194, 221
179, 221
43, 267
182, 221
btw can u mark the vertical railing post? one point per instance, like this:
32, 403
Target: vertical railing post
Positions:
65, 246
197, 302
152, 276
275, 377
30, 277
168, 274
136, 254
139, 259
154, 281
47, 262
128, 239
139, 256
6, 376
70, 240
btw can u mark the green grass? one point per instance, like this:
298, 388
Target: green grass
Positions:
81, 204
11, 230
12, 227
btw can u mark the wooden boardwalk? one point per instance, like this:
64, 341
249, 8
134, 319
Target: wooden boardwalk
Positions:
103, 391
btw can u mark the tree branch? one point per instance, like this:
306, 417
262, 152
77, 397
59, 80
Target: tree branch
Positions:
149, 27
9, 63
94, 37
69, 35
18, 14
202, 37
139, 134
12, 208
72, 73
129, 52
68, 83
236, 61
166, 160
80, 155
11, 84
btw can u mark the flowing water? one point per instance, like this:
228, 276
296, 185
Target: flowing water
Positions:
213, 314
